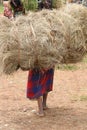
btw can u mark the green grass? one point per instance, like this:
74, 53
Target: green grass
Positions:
85, 59
1, 9
73, 67
83, 98
76, 98
68, 67
30, 5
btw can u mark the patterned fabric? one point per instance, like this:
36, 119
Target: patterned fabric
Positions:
7, 12
39, 83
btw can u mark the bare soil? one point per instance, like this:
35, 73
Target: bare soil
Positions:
67, 103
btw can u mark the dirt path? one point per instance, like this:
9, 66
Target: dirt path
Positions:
67, 103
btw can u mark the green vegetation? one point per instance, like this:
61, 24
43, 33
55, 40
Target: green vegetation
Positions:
68, 67
58, 3
76, 98
73, 67
33, 5
83, 98
30, 4
85, 59
1, 8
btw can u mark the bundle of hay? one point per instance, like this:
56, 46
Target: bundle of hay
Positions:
78, 12
68, 35
65, 33
5, 24
21, 48
41, 41
6, 42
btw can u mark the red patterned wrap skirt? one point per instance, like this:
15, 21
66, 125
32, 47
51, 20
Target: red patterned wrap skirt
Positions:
39, 83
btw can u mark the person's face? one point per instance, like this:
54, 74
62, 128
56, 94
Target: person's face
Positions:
5, 4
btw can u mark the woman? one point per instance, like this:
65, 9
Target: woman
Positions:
47, 4
17, 6
7, 9
38, 86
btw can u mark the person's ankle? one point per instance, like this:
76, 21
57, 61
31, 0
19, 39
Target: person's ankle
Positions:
44, 105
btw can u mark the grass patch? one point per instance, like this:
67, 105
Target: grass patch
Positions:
83, 98
76, 98
1, 8
68, 67
85, 59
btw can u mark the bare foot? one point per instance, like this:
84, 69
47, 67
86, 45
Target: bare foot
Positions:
45, 107
40, 114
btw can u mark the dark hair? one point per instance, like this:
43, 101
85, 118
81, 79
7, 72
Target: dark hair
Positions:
17, 2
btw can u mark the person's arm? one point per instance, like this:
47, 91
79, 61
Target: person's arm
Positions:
14, 3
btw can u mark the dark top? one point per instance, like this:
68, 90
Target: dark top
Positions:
17, 3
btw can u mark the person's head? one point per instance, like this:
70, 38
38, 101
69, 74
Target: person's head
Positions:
6, 4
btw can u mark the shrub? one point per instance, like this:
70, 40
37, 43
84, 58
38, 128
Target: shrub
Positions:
30, 4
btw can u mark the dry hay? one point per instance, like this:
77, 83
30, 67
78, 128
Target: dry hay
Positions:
69, 34
5, 24
78, 12
41, 41
5, 27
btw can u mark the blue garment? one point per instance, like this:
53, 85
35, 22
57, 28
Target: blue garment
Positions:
39, 83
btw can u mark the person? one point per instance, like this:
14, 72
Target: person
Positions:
84, 3
7, 9
47, 4
38, 86
17, 7
77, 1
40, 4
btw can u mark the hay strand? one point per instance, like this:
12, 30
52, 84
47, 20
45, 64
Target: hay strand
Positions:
41, 41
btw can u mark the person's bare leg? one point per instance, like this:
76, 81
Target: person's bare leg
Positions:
40, 106
45, 101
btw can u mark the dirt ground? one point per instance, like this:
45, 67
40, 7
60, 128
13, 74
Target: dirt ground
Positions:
67, 103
